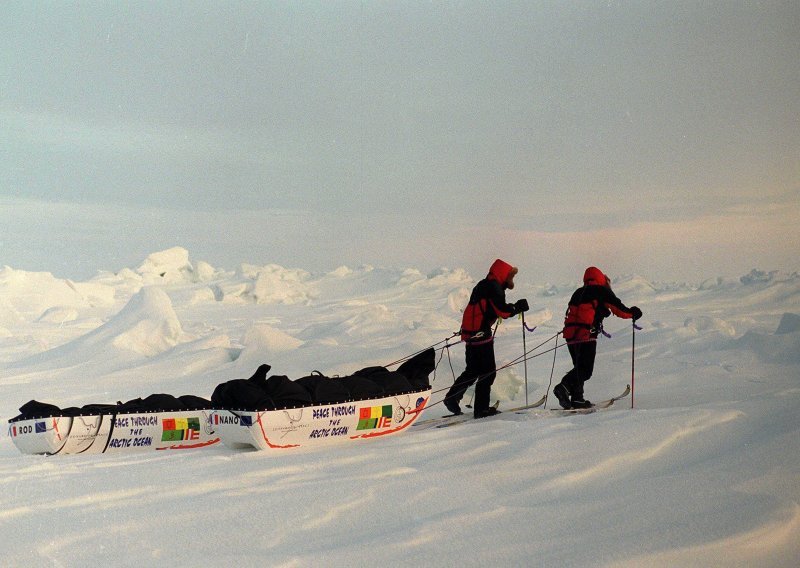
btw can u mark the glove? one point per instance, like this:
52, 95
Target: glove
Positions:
636, 313
521, 306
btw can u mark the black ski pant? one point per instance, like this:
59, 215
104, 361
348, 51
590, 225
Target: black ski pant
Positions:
583, 355
481, 368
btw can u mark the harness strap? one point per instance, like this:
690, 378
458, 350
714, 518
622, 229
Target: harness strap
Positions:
481, 342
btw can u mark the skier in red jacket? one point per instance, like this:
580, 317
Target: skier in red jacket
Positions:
588, 307
487, 303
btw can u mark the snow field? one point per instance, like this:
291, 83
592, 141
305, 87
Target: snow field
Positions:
704, 471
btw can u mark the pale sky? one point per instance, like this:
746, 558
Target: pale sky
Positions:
659, 138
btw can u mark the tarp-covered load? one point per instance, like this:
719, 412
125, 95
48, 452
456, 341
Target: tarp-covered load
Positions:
276, 413
279, 392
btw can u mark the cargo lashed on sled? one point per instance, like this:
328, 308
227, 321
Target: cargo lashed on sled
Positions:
278, 414
259, 412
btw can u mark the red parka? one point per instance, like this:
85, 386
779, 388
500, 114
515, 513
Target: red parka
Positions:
487, 302
590, 305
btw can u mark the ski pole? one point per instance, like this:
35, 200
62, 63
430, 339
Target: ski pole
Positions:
525, 355
552, 370
634, 327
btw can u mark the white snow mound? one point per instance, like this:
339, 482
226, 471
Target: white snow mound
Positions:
28, 295
699, 324
147, 324
270, 284
458, 300
59, 315
276, 285
267, 338
781, 347
633, 286
172, 266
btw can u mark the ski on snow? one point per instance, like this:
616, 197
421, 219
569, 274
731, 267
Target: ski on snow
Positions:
431, 422
597, 406
524, 407
453, 419
517, 410
450, 419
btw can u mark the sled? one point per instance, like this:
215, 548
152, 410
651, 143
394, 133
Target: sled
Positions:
113, 432
260, 412
310, 426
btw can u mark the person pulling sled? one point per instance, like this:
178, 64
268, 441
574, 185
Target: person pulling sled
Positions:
487, 304
588, 307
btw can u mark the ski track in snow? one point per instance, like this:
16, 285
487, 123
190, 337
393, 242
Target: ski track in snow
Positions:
702, 472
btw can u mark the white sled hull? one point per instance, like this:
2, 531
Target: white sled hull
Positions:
319, 425
109, 433
182, 430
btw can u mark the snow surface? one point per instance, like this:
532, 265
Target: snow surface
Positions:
704, 471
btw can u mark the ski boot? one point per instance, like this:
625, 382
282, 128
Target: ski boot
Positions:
453, 407
491, 411
562, 394
579, 402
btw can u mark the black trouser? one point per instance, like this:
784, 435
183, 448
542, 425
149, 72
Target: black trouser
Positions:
480, 367
582, 367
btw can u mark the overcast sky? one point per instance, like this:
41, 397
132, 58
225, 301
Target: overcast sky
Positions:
654, 137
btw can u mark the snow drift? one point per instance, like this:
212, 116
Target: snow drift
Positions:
145, 327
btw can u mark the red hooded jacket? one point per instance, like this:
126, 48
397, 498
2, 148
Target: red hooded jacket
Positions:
487, 302
590, 305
